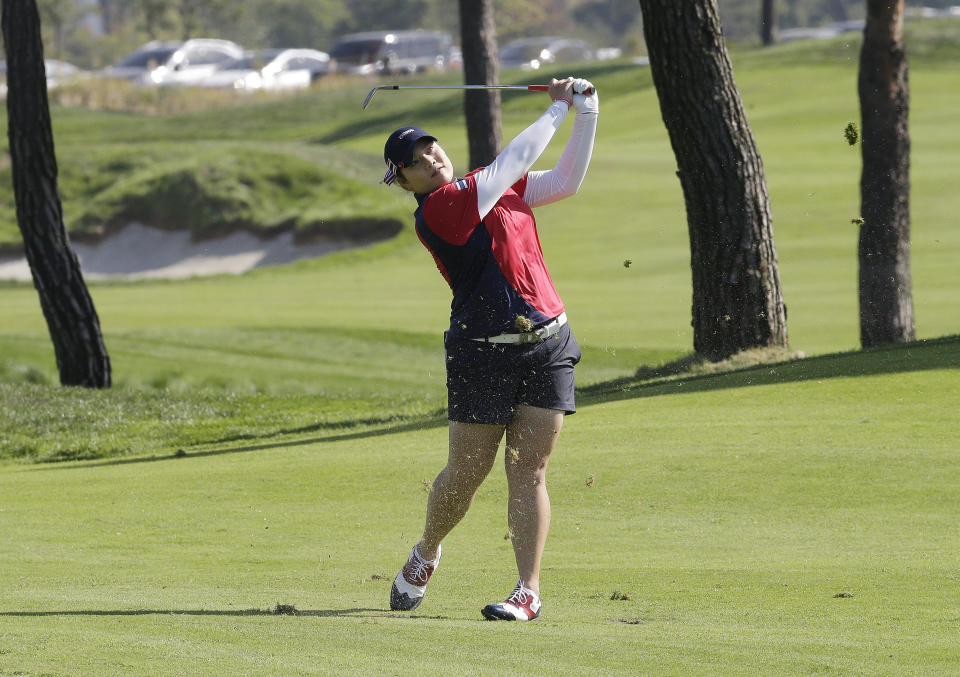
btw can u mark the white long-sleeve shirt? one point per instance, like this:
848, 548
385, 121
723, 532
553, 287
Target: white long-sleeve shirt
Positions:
516, 159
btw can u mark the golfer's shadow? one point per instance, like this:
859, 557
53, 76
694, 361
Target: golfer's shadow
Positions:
311, 613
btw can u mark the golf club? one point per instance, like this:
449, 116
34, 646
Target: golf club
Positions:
526, 88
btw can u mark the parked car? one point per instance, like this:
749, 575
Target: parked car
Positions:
143, 60
61, 72
174, 63
271, 69
821, 32
534, 53
391, 52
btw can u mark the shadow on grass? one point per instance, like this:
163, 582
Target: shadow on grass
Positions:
425, 423
681, 376
311, 613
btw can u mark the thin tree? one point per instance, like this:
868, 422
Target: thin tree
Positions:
737, 299
71, 318
152, 15
837, 10
886, 300
108, 15
478, 39
768, 21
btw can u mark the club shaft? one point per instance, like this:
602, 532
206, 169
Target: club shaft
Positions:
531, 88
527, 88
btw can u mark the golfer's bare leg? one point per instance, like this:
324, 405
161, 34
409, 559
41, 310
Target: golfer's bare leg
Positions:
473, 448
530, 439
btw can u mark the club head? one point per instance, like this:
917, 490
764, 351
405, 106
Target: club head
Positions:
369, 96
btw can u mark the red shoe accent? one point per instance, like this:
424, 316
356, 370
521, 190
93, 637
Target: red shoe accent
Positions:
417, 571
523, 604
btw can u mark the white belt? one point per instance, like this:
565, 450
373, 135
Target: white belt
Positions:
537, 335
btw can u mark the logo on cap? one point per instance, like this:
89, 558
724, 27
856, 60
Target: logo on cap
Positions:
398, 151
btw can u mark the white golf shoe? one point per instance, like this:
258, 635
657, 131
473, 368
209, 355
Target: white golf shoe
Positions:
523, 604
411, 583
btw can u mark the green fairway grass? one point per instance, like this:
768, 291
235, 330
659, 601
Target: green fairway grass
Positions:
775, 524
270, 436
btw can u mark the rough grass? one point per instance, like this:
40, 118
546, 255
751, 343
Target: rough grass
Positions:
185, 389
44, 424
188, 388
178, 396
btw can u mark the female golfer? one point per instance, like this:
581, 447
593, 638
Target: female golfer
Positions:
510, 352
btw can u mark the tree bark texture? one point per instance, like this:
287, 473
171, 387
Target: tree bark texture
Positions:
71, 318
885, 294
768, 21
478, 39
737, 299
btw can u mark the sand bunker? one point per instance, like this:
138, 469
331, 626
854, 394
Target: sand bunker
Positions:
138, 251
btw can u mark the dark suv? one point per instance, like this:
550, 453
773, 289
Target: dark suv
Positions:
534, 53
391, 52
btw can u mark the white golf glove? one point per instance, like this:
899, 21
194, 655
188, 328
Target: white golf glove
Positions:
586, 104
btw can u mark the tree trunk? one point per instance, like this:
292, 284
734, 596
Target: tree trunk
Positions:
72, 320
838, 11
188, 11
768, 21
152, 12
886, 300
478, 37
107, 16
737, 300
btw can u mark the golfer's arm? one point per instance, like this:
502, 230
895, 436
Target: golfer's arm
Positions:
565, 178
516, 159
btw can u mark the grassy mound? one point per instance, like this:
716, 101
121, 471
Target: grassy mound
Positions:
211, 192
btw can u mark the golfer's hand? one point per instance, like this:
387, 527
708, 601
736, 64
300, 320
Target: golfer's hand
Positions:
561, 90
585, 103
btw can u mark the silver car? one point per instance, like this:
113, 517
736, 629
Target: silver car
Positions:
174, 63
270, 69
